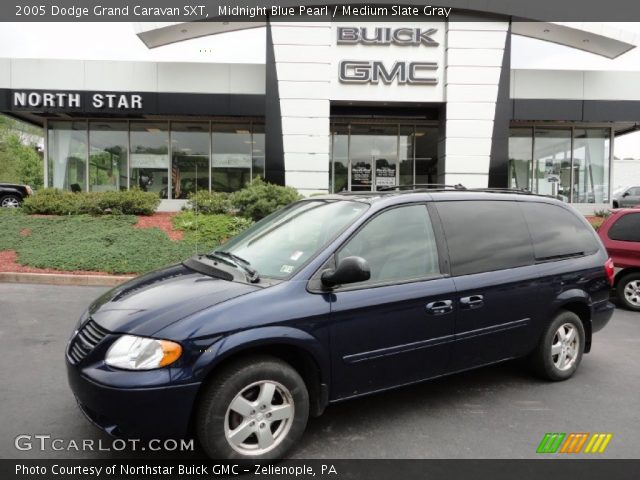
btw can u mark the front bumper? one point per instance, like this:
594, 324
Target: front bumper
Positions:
153, 411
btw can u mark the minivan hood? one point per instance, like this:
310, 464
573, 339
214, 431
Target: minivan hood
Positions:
147, 304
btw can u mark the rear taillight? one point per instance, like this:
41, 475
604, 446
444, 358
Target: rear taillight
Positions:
609, 270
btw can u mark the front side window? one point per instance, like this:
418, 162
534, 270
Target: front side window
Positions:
278, 245
626, 229
398, 245
484, 236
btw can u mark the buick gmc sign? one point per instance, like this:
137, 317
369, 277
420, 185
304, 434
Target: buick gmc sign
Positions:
359, 71
387, 36
376, 71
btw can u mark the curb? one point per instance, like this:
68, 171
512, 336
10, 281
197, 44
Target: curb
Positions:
64, 279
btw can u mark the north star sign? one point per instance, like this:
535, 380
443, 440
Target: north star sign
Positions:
119, 101
374, 72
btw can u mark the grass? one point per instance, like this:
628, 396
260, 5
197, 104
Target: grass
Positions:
79, 242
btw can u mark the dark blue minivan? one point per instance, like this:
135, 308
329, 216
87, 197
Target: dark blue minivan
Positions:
335, 297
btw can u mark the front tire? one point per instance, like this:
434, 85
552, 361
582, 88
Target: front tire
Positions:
10, 201
560, 350
256, 408
628, 291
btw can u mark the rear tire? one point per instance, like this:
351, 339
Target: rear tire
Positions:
559, 352
628, 291
255, 408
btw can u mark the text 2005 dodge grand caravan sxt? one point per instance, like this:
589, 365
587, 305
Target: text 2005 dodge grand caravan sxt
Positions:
335, 297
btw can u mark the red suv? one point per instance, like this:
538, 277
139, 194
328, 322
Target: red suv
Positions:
620, 233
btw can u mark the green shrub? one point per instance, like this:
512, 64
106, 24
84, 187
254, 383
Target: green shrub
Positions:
82, 242
209, 231
602, 213
210, 203
52, 201
259, 199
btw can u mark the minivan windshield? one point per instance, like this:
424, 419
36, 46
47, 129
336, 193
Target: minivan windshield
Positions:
278, 245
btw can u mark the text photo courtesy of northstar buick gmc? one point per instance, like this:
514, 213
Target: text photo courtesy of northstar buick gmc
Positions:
335, 297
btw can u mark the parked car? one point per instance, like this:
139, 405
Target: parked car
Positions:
626, 197
336, 297
620, 233
12, 194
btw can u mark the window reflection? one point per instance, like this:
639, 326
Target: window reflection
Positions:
570, 164
190, 158
591, 165
67, 143
520, 157
107, 156
553, 163
231, 157
258, 151
150, 157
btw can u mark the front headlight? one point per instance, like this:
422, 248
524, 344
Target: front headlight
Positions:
139, 353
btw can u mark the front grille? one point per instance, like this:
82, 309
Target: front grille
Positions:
89, 335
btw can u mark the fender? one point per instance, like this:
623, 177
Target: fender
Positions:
578, 296
573, 295
262, 336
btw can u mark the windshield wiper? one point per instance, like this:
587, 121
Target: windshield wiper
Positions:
252, 274
233, 256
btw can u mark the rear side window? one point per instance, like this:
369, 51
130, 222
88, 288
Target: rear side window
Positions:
556, 232
626, 229
485, 235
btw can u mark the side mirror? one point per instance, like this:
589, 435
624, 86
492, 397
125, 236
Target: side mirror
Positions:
350, 270
625, 194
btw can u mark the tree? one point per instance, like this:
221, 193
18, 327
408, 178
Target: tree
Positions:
19, 161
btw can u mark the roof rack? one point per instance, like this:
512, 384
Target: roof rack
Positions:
502, 190
413, 186
440, 187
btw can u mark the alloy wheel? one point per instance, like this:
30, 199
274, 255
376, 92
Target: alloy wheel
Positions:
565, 347
632, 292
259, 418
10, 202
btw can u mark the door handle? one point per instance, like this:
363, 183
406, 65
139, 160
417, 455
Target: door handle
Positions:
439, 307
474, 301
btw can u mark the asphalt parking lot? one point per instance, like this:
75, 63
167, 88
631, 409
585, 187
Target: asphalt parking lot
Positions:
494, 412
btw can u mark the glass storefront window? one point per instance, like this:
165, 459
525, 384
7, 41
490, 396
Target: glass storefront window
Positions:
67, 156
231, 157
571, 164
552, 153
406, 143
258, 151
520, 157
373, 152
591, 165
426, 155
340, 156
149, 158
189, 158
373, 156
108, 156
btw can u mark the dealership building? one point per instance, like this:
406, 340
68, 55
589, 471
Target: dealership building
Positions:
336, 106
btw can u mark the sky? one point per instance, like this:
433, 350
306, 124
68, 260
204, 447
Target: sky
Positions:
118, 41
